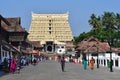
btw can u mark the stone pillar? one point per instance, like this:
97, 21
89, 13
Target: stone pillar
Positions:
100, 62
119, 62
114, 63
106, 62
103, 62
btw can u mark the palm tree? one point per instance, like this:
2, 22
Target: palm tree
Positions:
117, 24
95, 22
108, 21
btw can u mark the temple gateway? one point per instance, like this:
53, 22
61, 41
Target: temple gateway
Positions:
52, 30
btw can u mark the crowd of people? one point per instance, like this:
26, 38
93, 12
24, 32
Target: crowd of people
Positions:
62, 59
14, 64
10, 65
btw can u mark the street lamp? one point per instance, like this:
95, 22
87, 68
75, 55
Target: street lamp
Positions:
19, 60
111, 61
88, 59
97, 57
97, 61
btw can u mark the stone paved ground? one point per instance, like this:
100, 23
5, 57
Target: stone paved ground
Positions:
51, 70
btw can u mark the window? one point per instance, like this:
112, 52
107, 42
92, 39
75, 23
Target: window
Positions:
49, 24
49, 28
49, 20
118, 54
49, 32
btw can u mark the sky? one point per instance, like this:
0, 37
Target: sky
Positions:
79, 10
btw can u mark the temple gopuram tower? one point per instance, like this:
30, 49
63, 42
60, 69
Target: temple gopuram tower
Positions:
51, 30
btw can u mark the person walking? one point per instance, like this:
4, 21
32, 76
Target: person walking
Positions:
62, 61
92, 61
85, 63
13, 65
6, 65
34, 61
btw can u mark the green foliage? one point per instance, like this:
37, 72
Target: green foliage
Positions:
105, 27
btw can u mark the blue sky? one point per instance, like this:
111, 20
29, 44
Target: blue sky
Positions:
79, 10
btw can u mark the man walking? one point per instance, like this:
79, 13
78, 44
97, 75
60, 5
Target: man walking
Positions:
62, 61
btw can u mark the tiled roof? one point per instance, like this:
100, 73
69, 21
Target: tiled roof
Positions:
93, 46
4, 20
14, 25
100, 47
36, 43
117, 50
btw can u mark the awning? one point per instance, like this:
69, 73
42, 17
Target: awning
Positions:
8, 47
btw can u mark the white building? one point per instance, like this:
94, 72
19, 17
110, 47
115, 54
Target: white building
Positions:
99, 50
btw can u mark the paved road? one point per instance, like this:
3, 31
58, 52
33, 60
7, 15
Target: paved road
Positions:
51, 70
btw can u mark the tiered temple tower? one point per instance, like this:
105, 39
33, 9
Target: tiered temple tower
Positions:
50, 30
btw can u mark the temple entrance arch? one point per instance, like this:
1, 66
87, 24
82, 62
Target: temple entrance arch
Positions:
49, 48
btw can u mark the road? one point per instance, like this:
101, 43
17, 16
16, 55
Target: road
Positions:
51, 70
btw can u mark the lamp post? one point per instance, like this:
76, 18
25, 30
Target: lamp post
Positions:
19, 62
83, 55
88, 59
97, 61
111, 61
97, 57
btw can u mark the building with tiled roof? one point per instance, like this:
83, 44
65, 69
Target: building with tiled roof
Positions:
101, 52
12, 37
14, 25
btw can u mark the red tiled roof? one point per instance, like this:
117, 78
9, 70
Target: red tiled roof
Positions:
100, 47
93, 46
36, 43
14, 25
4, 20
85, 44
117, 50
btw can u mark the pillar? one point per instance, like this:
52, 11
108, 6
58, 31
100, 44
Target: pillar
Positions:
119, 62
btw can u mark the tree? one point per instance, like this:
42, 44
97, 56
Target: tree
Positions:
108, 21
105, 27
117, 24
93, 21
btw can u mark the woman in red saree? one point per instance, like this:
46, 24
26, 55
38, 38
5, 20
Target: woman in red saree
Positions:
13, 65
